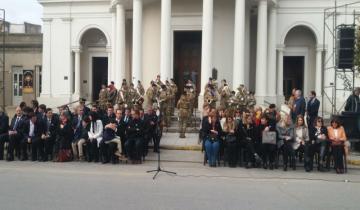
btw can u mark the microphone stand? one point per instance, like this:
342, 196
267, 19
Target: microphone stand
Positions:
159, 169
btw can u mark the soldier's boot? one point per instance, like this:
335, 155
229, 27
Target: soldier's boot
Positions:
182, 135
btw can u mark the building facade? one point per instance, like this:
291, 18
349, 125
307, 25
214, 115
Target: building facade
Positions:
271, 46
23, 63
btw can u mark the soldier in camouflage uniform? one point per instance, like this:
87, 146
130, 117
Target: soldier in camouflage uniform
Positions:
225, 95
210, 96
140, 89
174, 90
163, 101
241, 97
151, 94
132, 96
103, 97
183, 106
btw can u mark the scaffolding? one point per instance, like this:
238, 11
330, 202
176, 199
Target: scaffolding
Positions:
335, 18
3, 27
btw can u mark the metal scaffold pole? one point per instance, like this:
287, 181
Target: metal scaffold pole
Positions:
2, 59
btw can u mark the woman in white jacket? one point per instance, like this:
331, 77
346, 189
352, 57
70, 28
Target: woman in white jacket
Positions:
95, 136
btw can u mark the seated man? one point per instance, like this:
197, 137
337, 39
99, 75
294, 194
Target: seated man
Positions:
51, 123
80, 139
134, 142
15, 133
33, 130
4, 129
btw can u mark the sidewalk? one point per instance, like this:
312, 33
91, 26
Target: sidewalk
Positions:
171, 141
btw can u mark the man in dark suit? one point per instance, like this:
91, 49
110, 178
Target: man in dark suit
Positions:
151, 123
51, 123
32, 132
15, 134
312, 109
299, 106
122, 129
109, 116
4, 129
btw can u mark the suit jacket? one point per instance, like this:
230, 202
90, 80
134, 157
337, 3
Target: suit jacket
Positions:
4, 123
299, 108
39, 129
52, 128
313, 108
12, 124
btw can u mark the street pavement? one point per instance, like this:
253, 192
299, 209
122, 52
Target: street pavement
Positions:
75, 185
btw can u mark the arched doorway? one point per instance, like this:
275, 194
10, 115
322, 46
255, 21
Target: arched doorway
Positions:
299, 62
94, 63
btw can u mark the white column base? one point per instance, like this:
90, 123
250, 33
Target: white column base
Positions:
200, 103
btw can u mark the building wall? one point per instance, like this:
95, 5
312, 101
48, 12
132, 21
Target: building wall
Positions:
191, 11
23, 51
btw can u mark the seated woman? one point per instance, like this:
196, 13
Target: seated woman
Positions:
65, 137
319, 136
248, 137
286, 135
212, 132
109, 143
268, 149
231, 141
95, 136
337, 138
302, 143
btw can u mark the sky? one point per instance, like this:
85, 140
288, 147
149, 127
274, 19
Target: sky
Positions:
19, 11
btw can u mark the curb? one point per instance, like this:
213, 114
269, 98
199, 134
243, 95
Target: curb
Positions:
354, 162
186, 148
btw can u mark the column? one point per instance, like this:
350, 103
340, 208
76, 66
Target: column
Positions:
110, 62
165, 49
207, 43
113, 48
318, 76
239, 45
271, 86
280, 72
77, 73
46, 59
120, 45
261, 53
137, 41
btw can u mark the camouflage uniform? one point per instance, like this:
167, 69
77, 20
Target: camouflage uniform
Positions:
225, 95
103, 98
241, 97
183, 106
174, 91
164, 106
140, 89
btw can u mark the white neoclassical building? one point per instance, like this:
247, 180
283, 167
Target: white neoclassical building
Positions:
271, 46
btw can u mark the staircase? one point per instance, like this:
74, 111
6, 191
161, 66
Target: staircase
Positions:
171, 140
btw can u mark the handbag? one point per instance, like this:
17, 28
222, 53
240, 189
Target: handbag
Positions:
64, 155
230, 139
269, 137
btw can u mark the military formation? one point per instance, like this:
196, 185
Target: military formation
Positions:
161, 96
223, 97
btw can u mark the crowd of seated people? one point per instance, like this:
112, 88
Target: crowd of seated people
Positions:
242, 137
36, 133
254, 138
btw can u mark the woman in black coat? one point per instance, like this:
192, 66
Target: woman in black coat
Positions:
320, 139
247, 132
65, 137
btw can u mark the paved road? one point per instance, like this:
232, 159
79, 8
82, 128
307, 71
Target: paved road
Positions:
94, 186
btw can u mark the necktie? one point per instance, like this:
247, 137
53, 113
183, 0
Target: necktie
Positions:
16, 123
